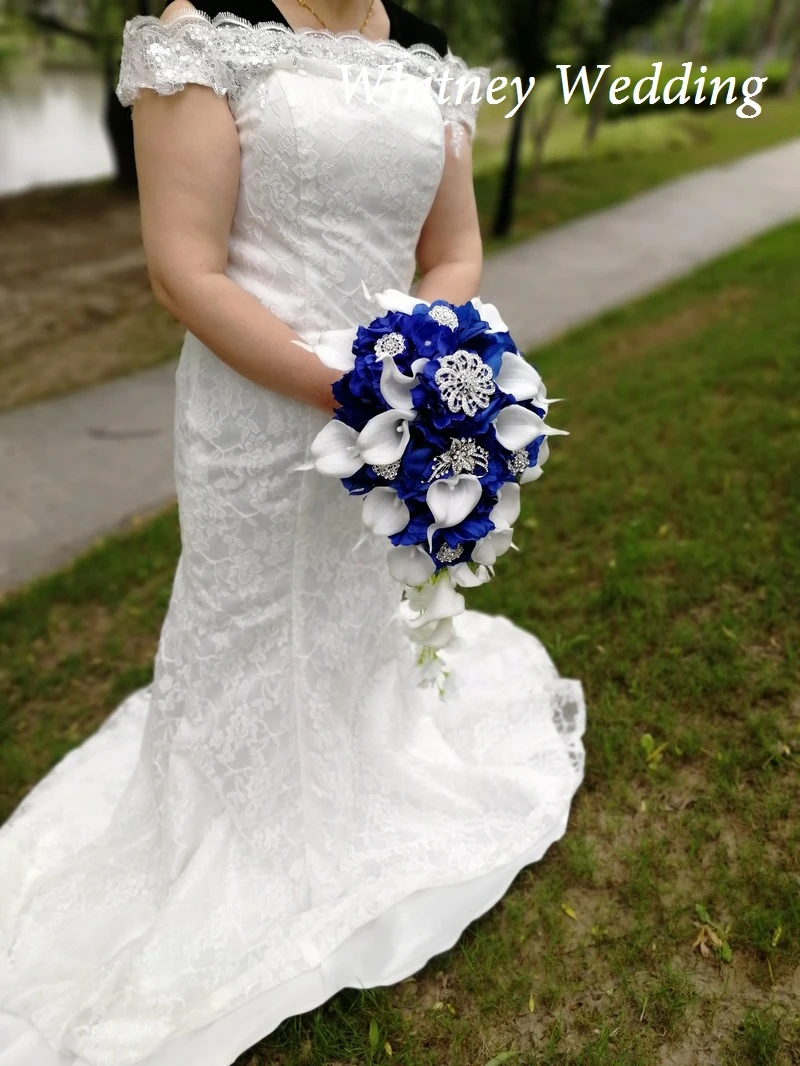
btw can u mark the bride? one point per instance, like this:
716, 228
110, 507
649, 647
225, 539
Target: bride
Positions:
282, 812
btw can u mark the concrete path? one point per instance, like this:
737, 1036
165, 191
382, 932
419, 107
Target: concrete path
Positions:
77, 467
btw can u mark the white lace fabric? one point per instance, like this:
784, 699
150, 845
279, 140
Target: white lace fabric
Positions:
282, 812
228, 54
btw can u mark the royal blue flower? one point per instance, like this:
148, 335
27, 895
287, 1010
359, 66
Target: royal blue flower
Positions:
434, 336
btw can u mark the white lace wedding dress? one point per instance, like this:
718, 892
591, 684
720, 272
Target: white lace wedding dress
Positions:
282, 813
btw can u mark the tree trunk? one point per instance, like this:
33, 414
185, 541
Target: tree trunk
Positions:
120, 132
793, 77
686, 43
793, 80
769, 38
597, 112
505, 206
541, 132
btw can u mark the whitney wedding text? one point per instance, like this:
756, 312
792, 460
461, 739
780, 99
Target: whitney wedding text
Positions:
683, 89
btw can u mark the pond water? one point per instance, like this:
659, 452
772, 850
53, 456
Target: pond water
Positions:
51, 129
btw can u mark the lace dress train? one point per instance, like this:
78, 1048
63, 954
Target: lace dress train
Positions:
283, 812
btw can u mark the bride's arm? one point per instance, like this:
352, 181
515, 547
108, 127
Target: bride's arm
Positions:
450, 251
187, 158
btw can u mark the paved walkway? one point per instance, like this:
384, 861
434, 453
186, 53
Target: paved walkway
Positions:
77, 467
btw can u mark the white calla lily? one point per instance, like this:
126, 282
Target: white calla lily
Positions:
518, 378
392, 300
490, 315
516, 427
333, 347
533, 473
336, 451
489, 549
384, 512
396, 387
462, 574
441, 602
450, 501
435, 635
506, 511
410, 565
384, 438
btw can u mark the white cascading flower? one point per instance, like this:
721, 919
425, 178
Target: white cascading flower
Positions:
410, 565
533, 473
516, 427
384, 512
519, 379
491, 316
335, 450
450, 501
385, 437
503, 516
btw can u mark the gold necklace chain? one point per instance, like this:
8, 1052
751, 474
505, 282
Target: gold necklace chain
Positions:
325, 26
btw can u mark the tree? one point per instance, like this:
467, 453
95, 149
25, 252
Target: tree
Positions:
793, 79
526, 29
690, 28
768, 36
97, 24
619, 19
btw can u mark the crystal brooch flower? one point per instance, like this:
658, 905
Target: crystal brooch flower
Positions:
463, 456
465, 382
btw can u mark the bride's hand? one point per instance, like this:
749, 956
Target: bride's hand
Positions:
328, 404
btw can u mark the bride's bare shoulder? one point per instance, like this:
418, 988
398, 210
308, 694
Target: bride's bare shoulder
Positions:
176, 8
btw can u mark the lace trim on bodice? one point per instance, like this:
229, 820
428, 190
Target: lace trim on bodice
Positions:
226, 52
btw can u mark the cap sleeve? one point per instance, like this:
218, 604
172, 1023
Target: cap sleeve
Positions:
167, 56
463, 92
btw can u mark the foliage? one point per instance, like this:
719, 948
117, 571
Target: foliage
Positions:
730, 27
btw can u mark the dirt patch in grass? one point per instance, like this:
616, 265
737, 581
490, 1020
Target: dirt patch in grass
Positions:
679, 326
75, 298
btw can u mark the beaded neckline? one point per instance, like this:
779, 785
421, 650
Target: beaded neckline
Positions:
227, 18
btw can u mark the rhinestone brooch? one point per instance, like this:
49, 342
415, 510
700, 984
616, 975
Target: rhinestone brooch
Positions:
465, 382
519, 462
463, 456
445, 316
389, 471
391, 345
446, 554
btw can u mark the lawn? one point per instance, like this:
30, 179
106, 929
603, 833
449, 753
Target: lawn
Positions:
660, 563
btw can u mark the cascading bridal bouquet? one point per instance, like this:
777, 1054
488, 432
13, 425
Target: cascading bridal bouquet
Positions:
441, 421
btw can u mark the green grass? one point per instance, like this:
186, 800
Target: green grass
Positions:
660, 563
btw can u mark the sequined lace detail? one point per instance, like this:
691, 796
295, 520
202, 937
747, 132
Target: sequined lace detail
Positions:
229, 53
